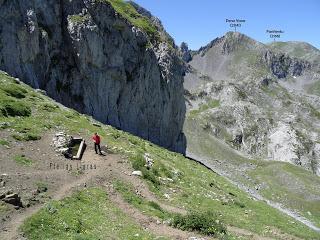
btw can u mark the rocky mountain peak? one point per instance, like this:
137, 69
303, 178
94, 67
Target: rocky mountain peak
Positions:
231, 42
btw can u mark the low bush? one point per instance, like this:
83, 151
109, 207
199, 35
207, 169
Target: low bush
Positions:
155, 206
49, 107
26, 137
23, 160
138, 163
239, 204
206, 223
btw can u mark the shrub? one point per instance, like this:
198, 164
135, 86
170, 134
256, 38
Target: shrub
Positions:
14, 108
31, 137
138, 163
26, 137
149, 175
155, 206
206, 223
49, 107
23, 160
239, 204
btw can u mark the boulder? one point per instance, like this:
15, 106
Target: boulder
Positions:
13, 199
137, 173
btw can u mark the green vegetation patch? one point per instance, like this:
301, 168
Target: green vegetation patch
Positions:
4, 142
128, 12
87, 214
153, 174
23, 160
150, 208
14, 108
26, 137
3, 207
213, 103
206, 223
14, 90
11, 94
78, 19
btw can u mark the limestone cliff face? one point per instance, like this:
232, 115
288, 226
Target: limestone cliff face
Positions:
87, 56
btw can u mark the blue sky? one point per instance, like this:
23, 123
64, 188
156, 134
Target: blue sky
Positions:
199, 22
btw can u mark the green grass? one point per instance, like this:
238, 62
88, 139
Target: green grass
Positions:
128, 12
14, 108
78, 19
205, 145
23, 160
14, 90
87, 214
26, 136
152, 175
213, 103
11, 95
12, 102
148, 207
206, 223
4, 142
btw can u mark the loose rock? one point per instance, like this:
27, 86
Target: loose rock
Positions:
137, 173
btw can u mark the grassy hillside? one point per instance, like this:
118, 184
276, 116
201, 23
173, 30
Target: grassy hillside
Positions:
83, 216
211, 202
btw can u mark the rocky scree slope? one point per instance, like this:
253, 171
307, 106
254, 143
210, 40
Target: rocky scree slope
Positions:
106, 58
256, 100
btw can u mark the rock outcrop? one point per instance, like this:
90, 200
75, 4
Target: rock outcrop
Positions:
185, 52
283, 65
88, 56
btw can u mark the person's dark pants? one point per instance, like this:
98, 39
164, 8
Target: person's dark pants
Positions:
97, 147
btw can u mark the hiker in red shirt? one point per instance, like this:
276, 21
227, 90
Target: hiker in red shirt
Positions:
96, 139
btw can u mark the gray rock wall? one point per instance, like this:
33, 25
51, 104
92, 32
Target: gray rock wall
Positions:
86, 56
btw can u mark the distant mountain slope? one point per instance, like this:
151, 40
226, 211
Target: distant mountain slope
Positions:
256, 99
